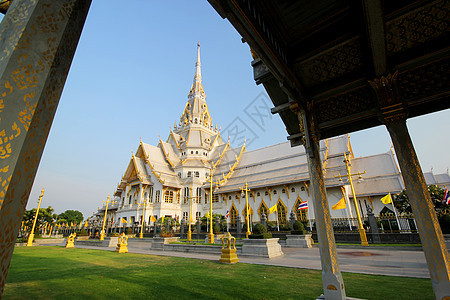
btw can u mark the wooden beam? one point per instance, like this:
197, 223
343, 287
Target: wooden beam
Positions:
374, 17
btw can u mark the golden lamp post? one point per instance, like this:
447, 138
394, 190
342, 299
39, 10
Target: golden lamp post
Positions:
141, 234
189, 233
362, 232
31, 236
211, 234
102, 234
246, 189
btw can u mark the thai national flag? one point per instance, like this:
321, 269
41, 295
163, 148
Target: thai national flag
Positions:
303, 205
446, 197
228, 214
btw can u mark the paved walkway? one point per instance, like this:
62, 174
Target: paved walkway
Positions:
367, 261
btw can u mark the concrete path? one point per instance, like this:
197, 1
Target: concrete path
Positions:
367, 261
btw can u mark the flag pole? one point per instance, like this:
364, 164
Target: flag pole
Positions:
278, 225
395, 213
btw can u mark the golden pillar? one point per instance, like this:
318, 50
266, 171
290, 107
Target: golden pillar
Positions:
393, 115
211, 232
362, 232
141, 234
332, 281
102, 234
246, 209
35, 57
31, 236
189, 233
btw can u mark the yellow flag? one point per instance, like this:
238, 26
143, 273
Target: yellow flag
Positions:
207, 214
86, 223
153, 219
387, 199
340, 205
71, 223
122, 220
162, 219
273, 209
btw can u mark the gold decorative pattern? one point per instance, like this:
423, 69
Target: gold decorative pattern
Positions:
30, 71
422, 206
354, 101
426, 80
165, 153
421, 25
334, 62
221, 154
325, 233
225, 177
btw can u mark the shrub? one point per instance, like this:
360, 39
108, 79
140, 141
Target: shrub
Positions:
129, 230
444, 221
260, 232
82, 232
267, 235
259, 229
285, 227
167, 234
216, 228
298, 228
114, 234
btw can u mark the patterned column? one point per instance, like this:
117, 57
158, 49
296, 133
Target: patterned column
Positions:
429, 230
38, 41
333, 284
332, 281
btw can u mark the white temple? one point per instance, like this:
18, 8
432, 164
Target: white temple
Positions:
177, 170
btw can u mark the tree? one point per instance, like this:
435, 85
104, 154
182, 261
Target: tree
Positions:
70, 216
45, 215
401, 201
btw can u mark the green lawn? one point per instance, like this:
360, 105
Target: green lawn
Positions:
60, 273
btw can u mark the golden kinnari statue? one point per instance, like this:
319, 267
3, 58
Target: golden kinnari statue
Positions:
229, 252
122, 245
70, 240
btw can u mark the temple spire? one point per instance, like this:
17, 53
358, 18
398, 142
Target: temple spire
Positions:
197, 84
198, 67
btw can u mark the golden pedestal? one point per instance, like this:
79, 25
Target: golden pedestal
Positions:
122, 245
70, 240
30, 240
229, 253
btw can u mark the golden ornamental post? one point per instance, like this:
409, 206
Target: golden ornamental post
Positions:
31, 236
102, 234
141, 234
246, 208
211, 233
362, 232
189, 233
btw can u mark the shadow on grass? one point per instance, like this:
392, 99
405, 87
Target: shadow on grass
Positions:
56, 272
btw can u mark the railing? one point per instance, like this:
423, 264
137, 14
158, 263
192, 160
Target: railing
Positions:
386, 223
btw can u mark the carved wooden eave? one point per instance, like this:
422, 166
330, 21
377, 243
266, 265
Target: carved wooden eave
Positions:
238, 157
324, 55
166, 154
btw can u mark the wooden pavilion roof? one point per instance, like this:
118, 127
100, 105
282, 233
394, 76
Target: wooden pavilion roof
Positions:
323, 55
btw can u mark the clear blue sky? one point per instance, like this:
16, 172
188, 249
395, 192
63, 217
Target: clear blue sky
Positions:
130, 77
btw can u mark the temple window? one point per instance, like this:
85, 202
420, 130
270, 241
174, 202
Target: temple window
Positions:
168, 197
